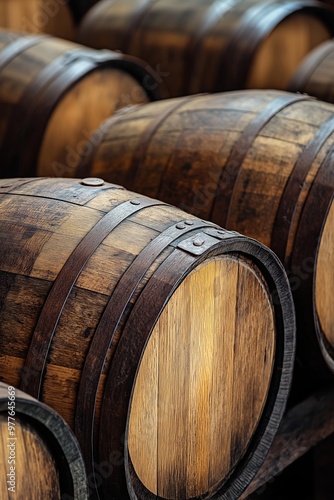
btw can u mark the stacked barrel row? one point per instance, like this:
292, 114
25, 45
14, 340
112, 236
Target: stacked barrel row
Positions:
166, 342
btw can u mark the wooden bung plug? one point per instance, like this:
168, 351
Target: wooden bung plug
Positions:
166, 342
256, 162
316, 73
208, 45
39, 455
54, 94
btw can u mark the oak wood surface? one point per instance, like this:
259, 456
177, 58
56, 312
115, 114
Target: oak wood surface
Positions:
324, 280
184, 384
38, 16
88, 272
54, 94
39, 455
208, 46
256, 162
315, 74
42, 479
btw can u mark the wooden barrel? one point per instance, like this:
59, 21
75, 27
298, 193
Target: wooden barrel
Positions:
38, 16
54, 93
166, 342
208, 45
40, 457
316, 73
255, 162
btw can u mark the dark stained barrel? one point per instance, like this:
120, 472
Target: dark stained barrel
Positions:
40, 457
315, 76
211, 46
256, 162
166, 342
54, 93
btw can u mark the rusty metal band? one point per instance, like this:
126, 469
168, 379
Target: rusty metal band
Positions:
41, 341
241, 47
310, 64
294, 186
223, 197
123, 369
255, 25
313, 216
137, 15
142, 73
139, 70
43, 94
124, 365
104, 336
14, 49
38, 102
303, 259
213, 14
141, 151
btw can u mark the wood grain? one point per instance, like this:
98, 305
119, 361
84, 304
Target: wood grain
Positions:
324, 280
314, 76
295, 38
41, 457
189, 415
255, 162
208, 46
102, 268
66, 91
42, 478
37, 16
108, 91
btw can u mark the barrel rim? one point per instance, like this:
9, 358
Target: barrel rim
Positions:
275, 275
52, 427
257, 31
326, 348
70, 68
309, 65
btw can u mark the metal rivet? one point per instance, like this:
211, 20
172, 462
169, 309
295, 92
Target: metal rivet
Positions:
92, 181
135, 202
198, 242
189, 222
180, 225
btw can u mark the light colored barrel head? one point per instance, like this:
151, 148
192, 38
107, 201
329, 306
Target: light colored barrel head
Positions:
203, 380
324, 279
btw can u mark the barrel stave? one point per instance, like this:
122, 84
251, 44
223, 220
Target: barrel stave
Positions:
258, 163
209, 46
124, 276
46, 81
